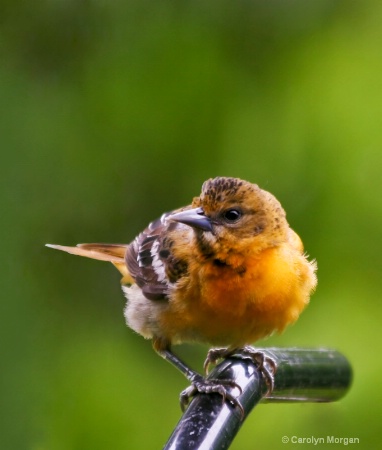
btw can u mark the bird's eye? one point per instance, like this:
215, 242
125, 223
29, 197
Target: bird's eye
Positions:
232, 215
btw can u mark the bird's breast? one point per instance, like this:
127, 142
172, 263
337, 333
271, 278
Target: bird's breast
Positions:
243, 302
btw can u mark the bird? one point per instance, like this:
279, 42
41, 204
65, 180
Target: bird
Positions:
226, 270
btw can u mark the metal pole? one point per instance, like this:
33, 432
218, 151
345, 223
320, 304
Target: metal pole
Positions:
303, 375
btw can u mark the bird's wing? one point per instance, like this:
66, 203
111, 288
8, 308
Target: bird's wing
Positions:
150, 260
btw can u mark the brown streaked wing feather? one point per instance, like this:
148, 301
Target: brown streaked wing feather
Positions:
150, 262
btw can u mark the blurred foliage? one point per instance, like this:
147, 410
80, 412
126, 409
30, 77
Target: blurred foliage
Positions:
113, 112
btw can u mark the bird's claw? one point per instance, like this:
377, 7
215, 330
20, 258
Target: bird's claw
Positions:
203, 386
213, 356
265, 363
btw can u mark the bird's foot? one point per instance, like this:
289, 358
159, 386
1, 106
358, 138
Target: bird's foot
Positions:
204, 386
213, 356
265, 363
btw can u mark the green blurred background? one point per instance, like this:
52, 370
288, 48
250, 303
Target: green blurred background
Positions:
113, 112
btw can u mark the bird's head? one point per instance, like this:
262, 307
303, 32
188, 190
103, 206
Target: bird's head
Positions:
233, 215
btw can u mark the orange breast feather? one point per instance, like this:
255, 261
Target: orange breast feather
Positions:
229, 307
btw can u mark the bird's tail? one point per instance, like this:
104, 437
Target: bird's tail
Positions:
114, 253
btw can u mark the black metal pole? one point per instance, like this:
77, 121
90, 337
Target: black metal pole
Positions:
303, 375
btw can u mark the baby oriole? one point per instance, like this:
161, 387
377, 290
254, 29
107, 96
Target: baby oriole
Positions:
226, 270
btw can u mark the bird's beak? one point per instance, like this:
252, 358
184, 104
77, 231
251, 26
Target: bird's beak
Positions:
194, 218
